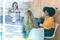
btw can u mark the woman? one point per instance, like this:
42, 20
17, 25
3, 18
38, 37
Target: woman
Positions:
49, 22
14, 12
29, 21
49, 19
15, 5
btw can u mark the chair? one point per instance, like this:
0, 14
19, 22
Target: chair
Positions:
53, 33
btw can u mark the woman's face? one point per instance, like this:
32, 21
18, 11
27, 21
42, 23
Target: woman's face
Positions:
46, 13
15, 5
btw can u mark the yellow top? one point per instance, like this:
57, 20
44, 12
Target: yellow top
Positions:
49, 23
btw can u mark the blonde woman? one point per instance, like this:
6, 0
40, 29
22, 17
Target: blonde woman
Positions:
29, 21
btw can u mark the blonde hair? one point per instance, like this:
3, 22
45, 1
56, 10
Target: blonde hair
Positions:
29, 21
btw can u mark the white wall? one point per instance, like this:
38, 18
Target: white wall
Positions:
37, 6
1, 7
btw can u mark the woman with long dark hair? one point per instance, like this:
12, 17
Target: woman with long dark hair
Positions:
15, 5
14, 12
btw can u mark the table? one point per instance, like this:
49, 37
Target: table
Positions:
36, 34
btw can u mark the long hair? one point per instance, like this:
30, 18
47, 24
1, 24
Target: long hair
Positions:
13, 5
29, 21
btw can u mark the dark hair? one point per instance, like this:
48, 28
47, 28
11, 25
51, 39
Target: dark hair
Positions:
50, 10
30, 13
14, 3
